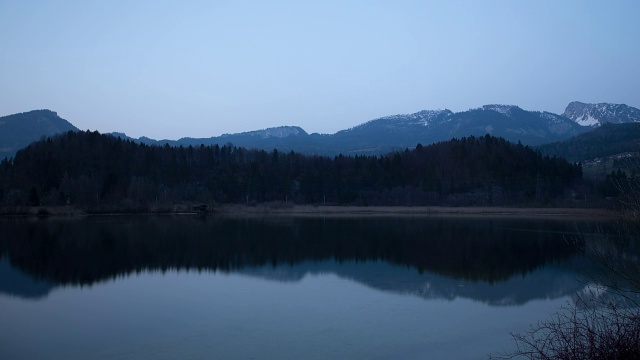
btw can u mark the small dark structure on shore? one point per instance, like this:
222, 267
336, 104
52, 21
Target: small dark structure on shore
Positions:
202, 208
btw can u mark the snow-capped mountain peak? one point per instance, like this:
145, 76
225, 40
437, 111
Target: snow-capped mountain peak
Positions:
594, 115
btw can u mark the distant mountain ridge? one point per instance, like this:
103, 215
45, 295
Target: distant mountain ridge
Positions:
277, 132
378, 136
19, 130
397, 132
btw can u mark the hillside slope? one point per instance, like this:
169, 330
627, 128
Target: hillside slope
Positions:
606, 140
19, 130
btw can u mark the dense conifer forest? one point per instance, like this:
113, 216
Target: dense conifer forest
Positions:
94, 171
607, 140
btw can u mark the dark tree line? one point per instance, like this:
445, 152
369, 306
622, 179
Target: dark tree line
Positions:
92, 170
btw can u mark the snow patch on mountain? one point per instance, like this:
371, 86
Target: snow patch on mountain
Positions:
552, 118
280, 132
275, 132
594, 115
502, 109
587, 120
420, 118
423, 117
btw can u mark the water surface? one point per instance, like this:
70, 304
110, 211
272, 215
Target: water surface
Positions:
278, 288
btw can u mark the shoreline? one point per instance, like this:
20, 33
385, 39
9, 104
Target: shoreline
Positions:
427, 211
282, 209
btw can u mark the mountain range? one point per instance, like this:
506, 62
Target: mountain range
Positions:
375, 137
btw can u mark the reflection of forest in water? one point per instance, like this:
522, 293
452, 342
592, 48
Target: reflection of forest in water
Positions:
391, 253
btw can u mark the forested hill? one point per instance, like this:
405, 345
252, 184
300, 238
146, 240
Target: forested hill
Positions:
102, 172
607, 140
19, 130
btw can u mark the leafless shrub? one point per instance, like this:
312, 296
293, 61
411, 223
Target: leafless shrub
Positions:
603, 323
585, 333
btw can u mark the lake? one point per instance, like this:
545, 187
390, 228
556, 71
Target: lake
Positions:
192, 287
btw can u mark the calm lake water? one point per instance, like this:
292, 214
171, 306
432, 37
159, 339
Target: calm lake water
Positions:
279, 288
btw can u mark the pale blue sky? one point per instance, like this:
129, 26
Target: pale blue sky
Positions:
169, 69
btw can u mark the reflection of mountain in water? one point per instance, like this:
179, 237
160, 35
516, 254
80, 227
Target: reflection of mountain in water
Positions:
488, 260
15, 282
547, 282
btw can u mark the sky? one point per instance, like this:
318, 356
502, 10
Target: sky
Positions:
190, 68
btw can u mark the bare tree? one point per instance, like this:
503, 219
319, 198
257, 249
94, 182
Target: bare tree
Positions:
581, 332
